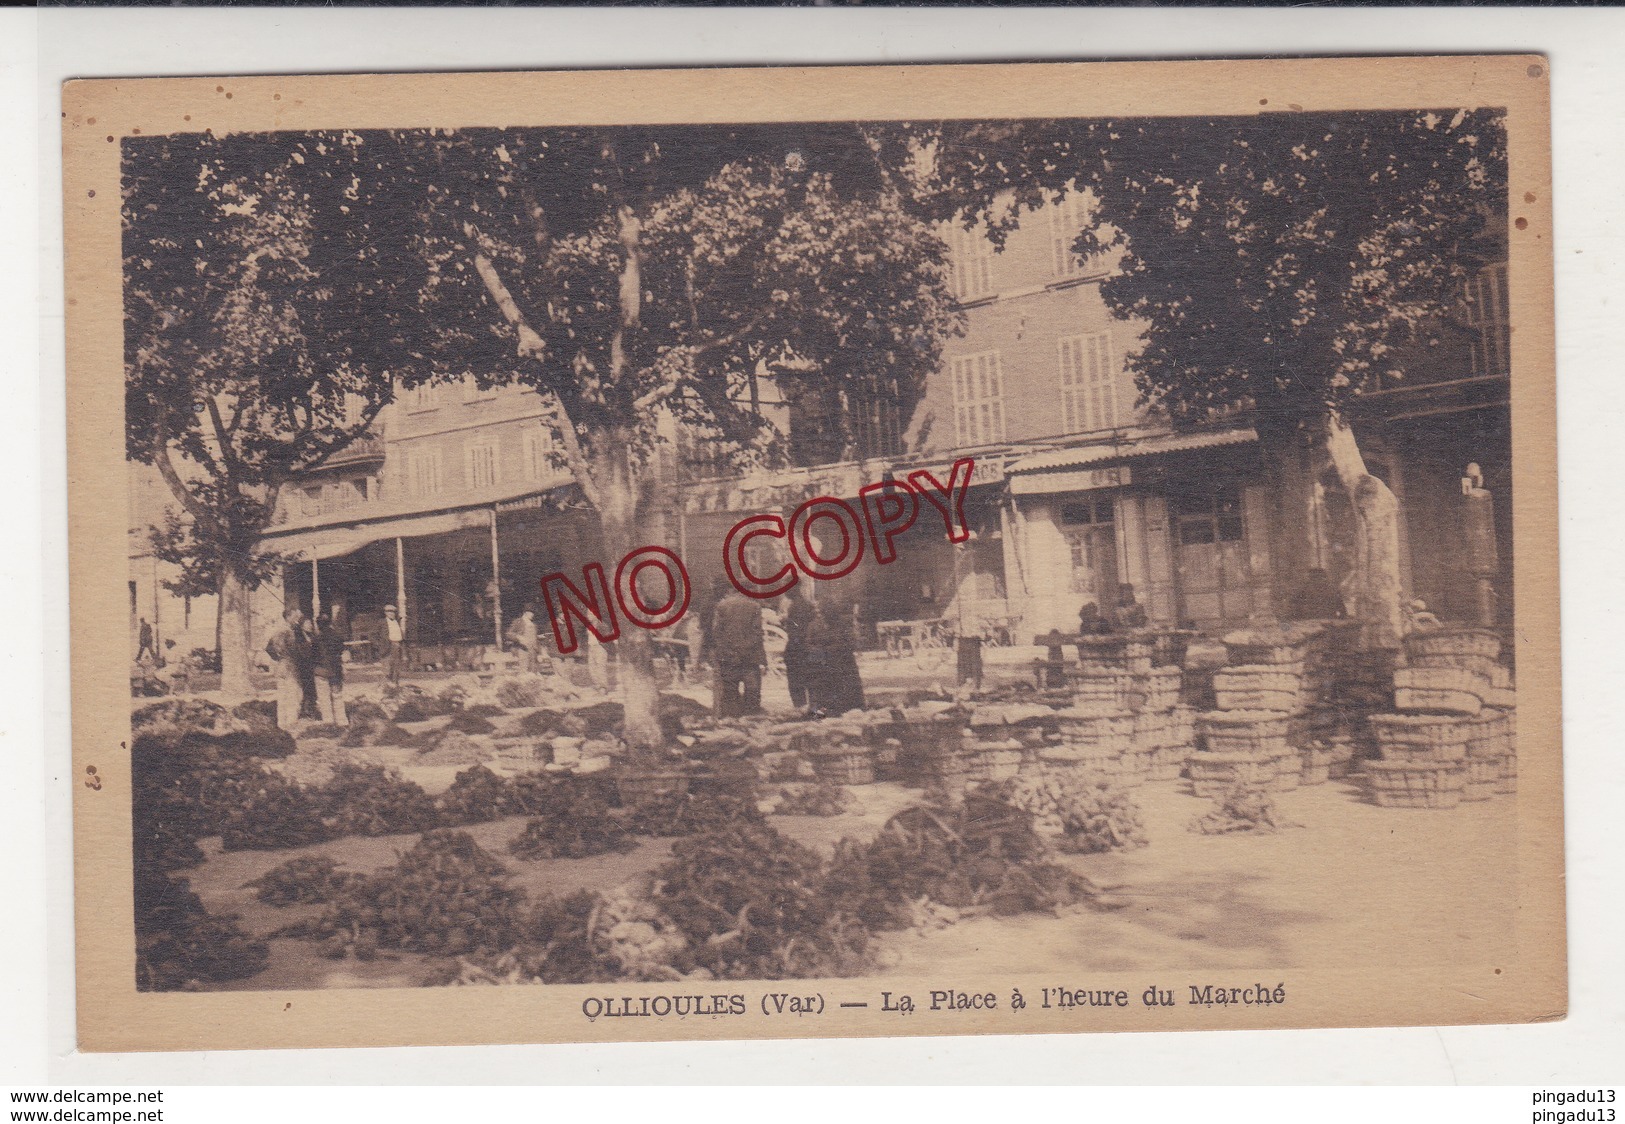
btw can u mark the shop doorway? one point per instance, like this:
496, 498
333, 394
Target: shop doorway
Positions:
1090, 530
1215, 578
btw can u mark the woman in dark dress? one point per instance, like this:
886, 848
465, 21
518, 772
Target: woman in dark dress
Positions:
797, 620
833, 683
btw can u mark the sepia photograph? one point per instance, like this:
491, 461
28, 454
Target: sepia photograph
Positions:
1023, 551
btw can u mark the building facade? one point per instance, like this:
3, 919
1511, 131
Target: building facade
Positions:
457, 504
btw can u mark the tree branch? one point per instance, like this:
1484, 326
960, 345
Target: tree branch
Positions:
531, 345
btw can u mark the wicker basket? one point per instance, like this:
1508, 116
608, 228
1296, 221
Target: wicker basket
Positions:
1451, 642
1151, 729
1243, 731
1107, 730
845, 764
1104, 690
1477, 664
1167, 762
1067, 761
1288, 772
1213, 774
1398, 735
1483, 777
1508, 781
1451, 689
995, 761
1502, 698
1182, 726
1397, 784
1500, 676
1158, 689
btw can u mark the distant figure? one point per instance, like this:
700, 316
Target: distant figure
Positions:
522, 634
1090, 622
287, 651
395, 643
1318, 599
309, 656
834, 685
1129, 614
704, 611
737, 655
328, 665
797, 620
145, 641
1417, 617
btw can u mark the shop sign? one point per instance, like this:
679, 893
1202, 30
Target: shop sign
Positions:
1076, 480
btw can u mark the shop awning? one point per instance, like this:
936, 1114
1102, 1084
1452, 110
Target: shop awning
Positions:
1082, 456
336, 542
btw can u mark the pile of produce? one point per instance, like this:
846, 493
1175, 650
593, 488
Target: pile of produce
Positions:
199, 723
1086, 815
311, 880
468, 722
702, 808
372, 800
820, 798
179, 944
523, 692
752, 905
572, 817
1241, 808
979, 854
446, 895
477, 795
415, 705
373, 727
272, 811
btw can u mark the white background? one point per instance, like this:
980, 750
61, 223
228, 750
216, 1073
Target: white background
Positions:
39, 50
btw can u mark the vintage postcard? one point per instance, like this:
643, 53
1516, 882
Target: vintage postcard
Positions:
813, 552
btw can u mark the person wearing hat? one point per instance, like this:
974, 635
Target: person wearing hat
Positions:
395, 638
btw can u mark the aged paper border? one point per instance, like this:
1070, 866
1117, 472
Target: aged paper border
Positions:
113, 1016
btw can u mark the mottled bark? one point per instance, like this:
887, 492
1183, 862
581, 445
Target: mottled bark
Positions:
1376, 586
236, 625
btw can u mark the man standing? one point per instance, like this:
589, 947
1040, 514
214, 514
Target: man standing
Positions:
146, 647
796, 619
738, 655
287, 650
328, 664
395, 639
522, 634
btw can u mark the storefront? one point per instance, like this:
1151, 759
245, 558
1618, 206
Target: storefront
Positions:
1182, 518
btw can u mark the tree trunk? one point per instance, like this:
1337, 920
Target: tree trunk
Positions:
1291, 481
623, 532
236, 627
1376, 586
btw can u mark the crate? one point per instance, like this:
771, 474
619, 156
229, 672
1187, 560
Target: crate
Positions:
1213, 774
1454, 690
1243, 731
1398, 784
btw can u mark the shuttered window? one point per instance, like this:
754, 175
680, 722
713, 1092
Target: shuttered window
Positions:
978, 399
1088, 382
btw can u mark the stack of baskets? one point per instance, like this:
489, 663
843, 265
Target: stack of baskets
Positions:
1262, 727
840, 752
1445, 745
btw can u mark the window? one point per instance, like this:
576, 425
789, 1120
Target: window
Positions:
310, 501
1088, 383
425, 397
423, 473
1089, 528
481, 463
1085, 513
973, 263
1484, 301
472, 391
978, 399
539, 463
347, 494
1066, 217
1209, 517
